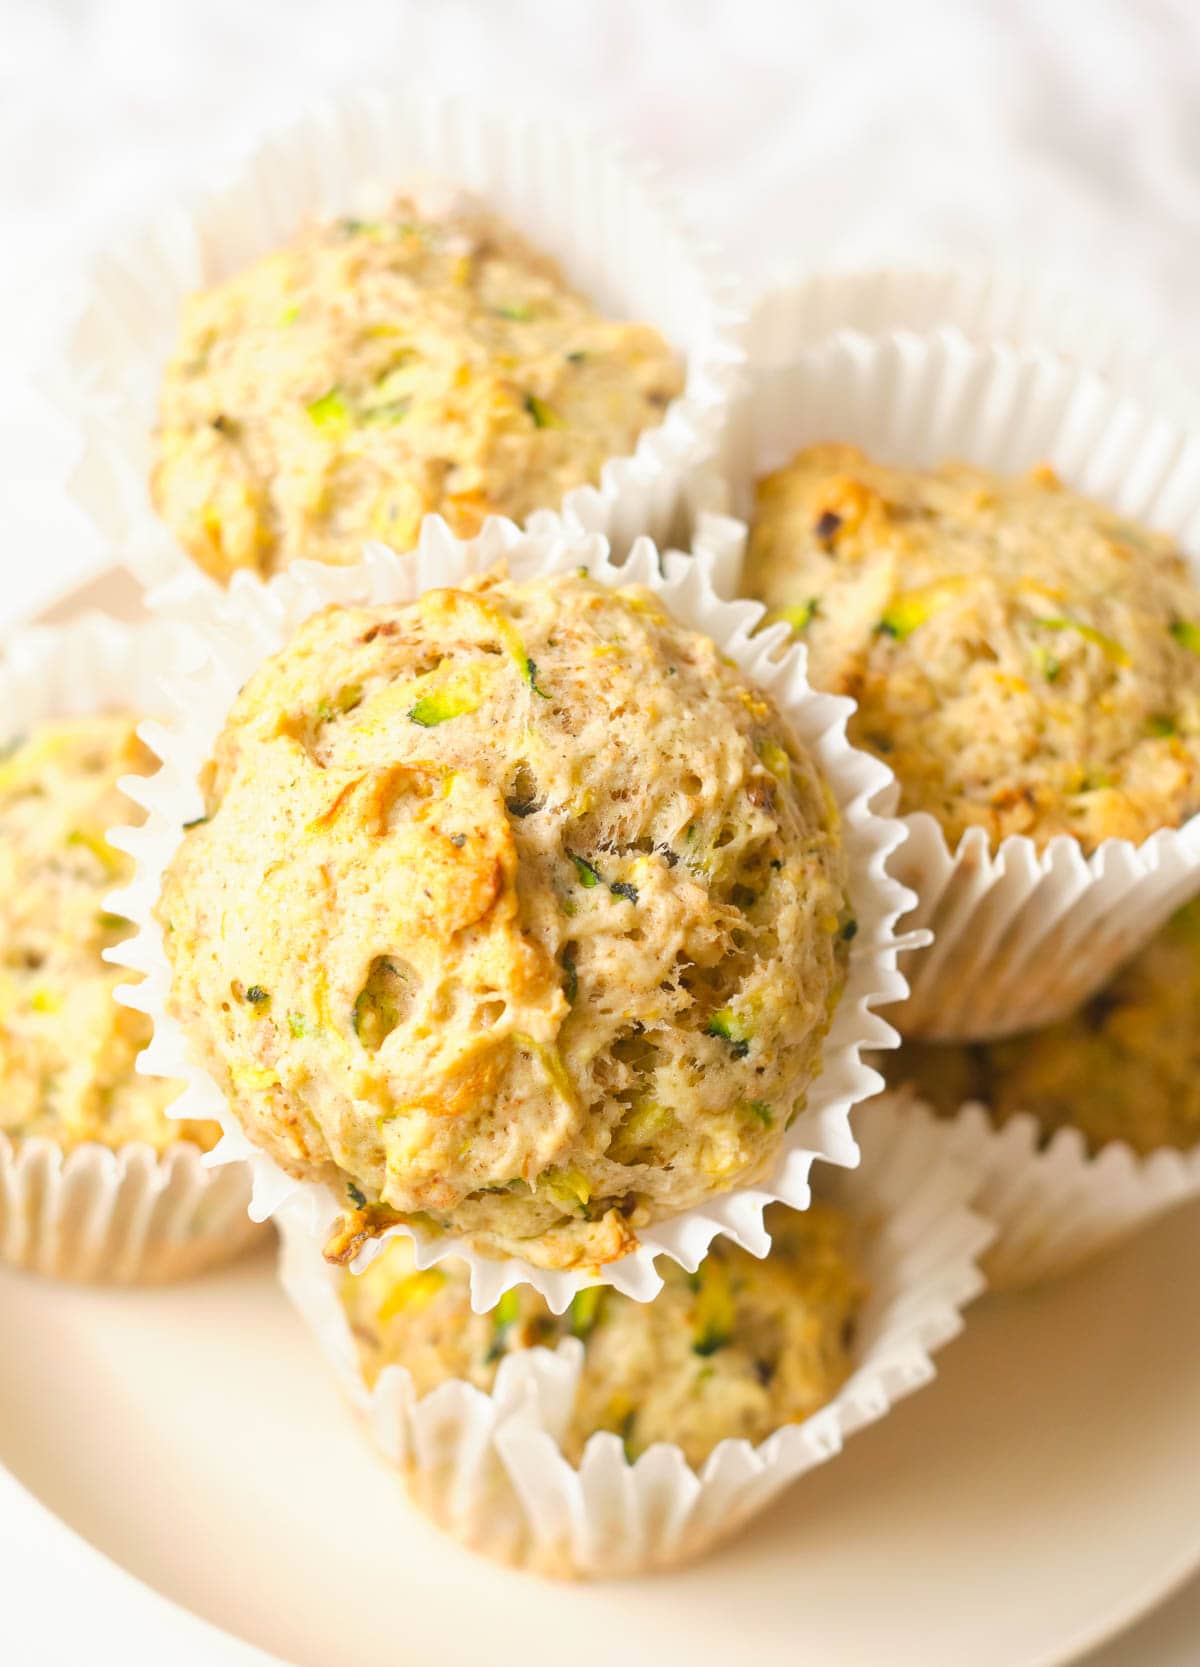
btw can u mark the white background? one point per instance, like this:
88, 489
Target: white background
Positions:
1062, 138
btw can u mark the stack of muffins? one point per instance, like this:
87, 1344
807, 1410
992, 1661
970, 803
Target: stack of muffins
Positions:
519, 910
1027, 659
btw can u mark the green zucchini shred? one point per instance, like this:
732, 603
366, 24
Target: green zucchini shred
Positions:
507, 1309
329, 411
1108, 646
586, 1307
345, 700
388, 413
1186, 634
726, 1024
504, 1316
529, 672
626, 1434
442, 705
544, 416
799, 618
377, 1006
714, 1316
1048, 664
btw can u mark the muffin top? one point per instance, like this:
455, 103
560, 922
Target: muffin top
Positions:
735, 1349
1026, 661
377, 371
67, 1049
1125, 1067
517, 912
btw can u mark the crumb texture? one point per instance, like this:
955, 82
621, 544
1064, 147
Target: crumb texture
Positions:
67, 1049
375, 372
736, 1349
518, 912
1025, 660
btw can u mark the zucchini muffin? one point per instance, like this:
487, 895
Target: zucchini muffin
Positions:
67, 1049
736, 1349
1025, 661
1125, 1067
378, 371
518, 912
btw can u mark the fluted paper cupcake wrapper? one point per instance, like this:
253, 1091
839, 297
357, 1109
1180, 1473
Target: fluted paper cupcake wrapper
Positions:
490, 1469
990, 306
1020, 936
130, 1214
1055, 1205
232, 632
606, 220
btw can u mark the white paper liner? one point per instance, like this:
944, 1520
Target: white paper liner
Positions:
1054, 1205
1021, 937
130, 1215
233, 631
605, 219
490, 1468
988, 305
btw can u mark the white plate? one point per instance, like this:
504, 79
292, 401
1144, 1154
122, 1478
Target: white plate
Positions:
1037, 1498
1041, 1494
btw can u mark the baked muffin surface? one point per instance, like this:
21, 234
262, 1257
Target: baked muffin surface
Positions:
1025, 660
374, 372
1125, 1067
737, 1349
67, 1048
518, 913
